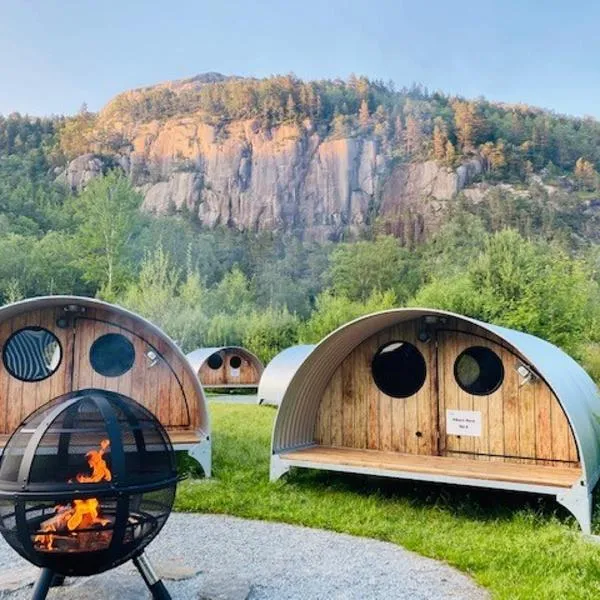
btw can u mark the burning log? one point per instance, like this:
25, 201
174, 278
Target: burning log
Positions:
80, 514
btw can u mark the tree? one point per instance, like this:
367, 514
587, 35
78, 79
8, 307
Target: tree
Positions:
586, 175
440, 139
533, 286
398, 132
332, 311
413, 136
106, 214
381, 122
467, 122
360, 268
290, 108
450, 153
268, 333
364, 119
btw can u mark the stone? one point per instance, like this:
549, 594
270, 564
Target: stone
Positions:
106, 585
81, 171
175, 570
16, 578
224, 587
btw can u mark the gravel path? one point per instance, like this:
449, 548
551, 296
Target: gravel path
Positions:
237, 559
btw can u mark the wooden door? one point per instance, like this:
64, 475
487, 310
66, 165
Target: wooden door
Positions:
502, 417
143, 374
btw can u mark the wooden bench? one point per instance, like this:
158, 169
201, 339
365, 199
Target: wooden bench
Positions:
438, 466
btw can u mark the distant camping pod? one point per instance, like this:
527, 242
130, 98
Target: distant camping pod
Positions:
279, 372
434, 396
226, 367
55, 345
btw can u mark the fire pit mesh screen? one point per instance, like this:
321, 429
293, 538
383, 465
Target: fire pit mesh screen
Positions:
92, 474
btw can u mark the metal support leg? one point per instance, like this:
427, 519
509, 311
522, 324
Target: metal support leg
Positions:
202, 454
43, 584
278, 468
578, 501
155, 585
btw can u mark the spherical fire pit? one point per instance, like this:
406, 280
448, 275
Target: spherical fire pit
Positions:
86, 482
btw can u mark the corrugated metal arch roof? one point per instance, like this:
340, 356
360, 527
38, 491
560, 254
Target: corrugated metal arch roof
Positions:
575, 390
279, 372
17, 308
198, 357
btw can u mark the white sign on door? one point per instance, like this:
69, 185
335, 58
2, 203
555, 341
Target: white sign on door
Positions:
463, 422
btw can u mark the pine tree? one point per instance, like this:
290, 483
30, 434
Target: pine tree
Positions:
440, 139
290, 108
398, 132
363, 115
467, 122
586, 175
381, 122
413, 136
450, 153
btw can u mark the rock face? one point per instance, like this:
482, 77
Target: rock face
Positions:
289, 177
81, 171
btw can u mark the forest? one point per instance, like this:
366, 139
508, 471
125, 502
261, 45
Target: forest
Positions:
521, 261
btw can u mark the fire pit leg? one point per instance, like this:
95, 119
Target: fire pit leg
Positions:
43, 584
155, 585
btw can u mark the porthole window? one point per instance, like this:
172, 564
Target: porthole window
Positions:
215, 361
235, 362
399, 369
479, 371
32, 354
112, 355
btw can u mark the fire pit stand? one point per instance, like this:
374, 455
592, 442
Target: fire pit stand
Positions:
86, 482
49, 578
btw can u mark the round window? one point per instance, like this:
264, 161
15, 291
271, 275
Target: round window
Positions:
32, 354
215, 361
399, 369
479, 371
112, 355
235, 362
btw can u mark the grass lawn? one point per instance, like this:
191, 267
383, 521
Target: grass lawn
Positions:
517, 546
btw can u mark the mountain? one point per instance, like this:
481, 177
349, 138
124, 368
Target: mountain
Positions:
325, 159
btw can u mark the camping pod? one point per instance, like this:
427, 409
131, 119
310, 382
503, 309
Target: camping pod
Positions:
279, 372
52, 346
227, 367
434, 396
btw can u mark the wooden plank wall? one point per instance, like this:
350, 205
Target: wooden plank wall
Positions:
247, 373
521, 424
166, 389
354, 413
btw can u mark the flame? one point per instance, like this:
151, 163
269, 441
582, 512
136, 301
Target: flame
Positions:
80, 514
100, 470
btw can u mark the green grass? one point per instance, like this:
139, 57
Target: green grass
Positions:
516, 545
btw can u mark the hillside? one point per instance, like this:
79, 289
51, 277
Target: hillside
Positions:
330, 158
275, 210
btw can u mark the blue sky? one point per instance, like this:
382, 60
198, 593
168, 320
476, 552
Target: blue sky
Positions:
57, 54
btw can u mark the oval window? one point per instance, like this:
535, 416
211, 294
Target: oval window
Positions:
235, 362
112, 355
399, 369
479, 371
32, 354
215, 361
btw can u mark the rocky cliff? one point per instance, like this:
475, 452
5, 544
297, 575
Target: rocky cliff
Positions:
290, 177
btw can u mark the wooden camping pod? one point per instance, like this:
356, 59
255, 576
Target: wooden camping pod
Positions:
429, 395
55, 345
226, 367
